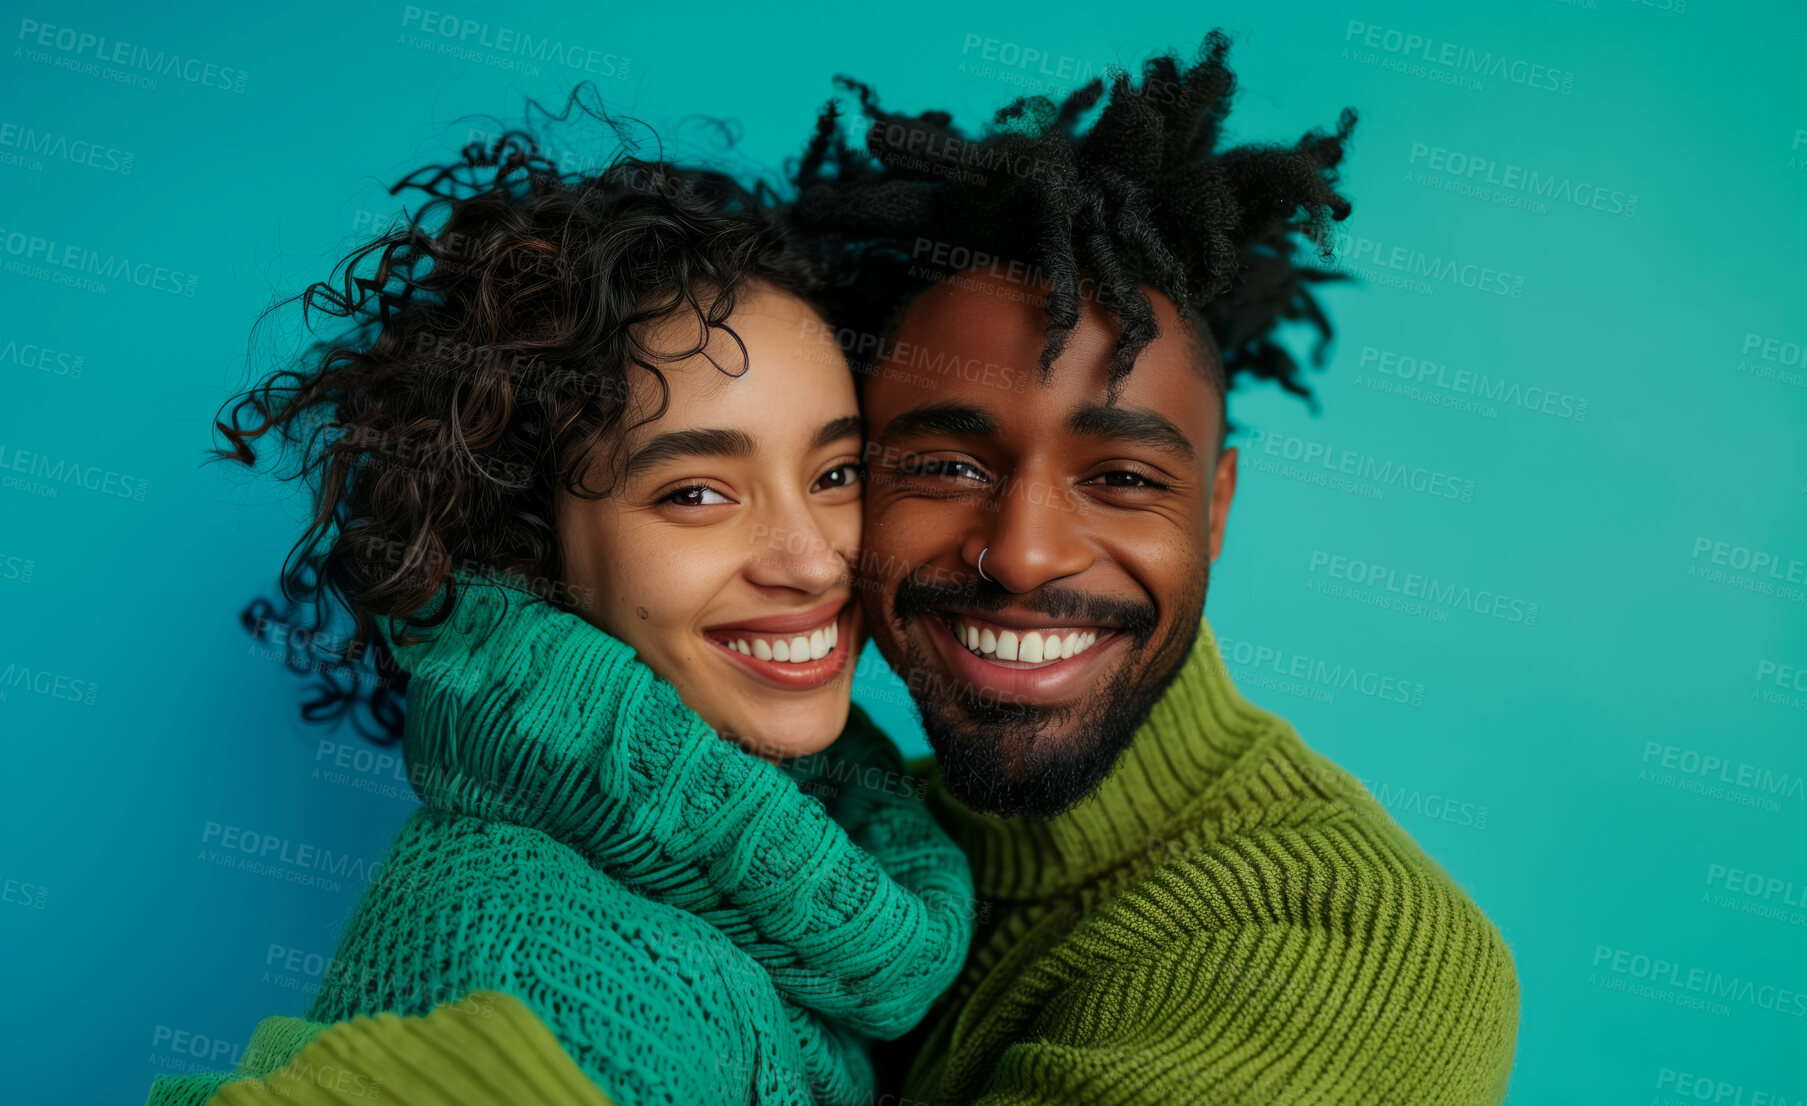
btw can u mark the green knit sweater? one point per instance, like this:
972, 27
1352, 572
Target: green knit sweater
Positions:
1230, 919
694, 925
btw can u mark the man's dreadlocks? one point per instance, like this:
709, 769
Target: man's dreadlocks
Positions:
1143, 197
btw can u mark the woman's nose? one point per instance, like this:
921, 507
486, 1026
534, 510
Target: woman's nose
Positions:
799, 550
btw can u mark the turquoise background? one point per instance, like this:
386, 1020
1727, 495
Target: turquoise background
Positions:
1554, 765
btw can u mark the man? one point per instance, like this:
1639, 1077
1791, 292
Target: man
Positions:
1187, 904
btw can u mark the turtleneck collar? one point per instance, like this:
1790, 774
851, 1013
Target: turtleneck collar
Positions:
1196, 732
522, 713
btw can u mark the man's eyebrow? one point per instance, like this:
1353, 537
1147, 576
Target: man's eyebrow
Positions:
691, 443
960, 419
847, 426
1136, 424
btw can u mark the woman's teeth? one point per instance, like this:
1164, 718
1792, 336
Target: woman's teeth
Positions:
794, 648
1029, 647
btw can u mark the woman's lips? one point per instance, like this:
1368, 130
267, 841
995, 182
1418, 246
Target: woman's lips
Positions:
797, 652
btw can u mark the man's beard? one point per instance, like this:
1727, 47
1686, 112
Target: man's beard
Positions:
1000, 757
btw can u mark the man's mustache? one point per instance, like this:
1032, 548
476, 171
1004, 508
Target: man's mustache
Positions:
915, 598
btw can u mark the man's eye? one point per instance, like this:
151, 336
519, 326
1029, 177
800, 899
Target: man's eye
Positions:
952, 469
697, 495
843, 476
1123, 478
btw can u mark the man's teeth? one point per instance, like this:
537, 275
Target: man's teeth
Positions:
795, 649
1029, 647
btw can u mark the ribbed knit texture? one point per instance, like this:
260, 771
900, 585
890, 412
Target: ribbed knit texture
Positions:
485, 1049
274, 1042
691, 924
1230, 919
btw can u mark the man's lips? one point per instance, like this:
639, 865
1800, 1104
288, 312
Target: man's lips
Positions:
1021, 642
1052, 680
794, 652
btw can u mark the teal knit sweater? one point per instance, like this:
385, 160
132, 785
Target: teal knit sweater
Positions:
695, 925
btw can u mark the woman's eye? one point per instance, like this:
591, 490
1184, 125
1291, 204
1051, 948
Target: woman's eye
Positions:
843, 476
697, 495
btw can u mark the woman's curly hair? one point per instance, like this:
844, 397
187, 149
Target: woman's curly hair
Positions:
481, 358
1144, 197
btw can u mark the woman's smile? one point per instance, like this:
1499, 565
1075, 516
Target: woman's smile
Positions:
795, 652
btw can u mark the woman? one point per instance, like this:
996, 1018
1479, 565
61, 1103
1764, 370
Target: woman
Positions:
587, 464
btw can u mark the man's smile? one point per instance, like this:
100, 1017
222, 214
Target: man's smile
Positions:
1022, 643
1022, 657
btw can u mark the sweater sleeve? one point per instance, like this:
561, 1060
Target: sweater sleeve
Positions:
484, 1049
1415, 1002
273, 1041
522, 712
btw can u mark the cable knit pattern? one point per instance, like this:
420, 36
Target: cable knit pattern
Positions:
691, 924
1230, 919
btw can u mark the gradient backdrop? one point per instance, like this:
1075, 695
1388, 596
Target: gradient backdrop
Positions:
1537, 573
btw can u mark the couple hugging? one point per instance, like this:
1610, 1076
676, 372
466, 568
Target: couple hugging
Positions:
624, 468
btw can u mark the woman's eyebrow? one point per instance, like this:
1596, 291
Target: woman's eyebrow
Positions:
832, 431
691, 443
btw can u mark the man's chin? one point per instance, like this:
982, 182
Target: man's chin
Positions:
1014, 760
1037, 784
1019, 759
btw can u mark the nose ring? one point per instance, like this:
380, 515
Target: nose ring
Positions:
981, 564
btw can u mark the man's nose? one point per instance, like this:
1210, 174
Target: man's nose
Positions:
1037, 535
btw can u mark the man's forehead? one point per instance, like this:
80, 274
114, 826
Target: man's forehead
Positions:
1000, 323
